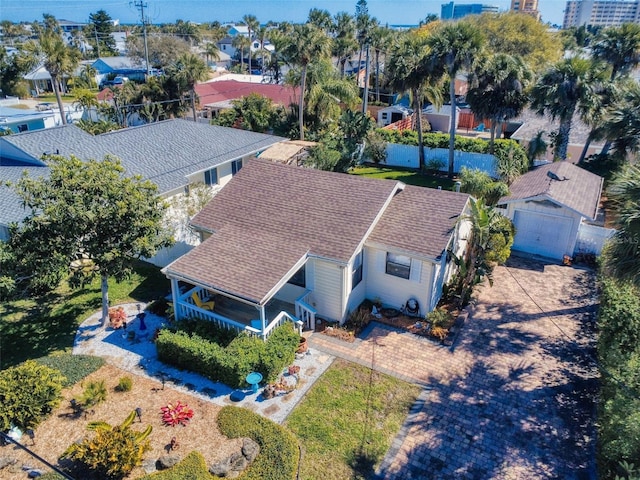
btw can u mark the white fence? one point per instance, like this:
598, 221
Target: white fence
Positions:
591, 238
407, 156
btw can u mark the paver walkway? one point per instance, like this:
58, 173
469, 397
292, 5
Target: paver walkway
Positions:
514, 398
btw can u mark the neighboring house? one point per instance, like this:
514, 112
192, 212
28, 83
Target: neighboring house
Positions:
174, 154
392, 114
217, 95
226, 46
110, 67
19, 120
283, 243
235, 30
527, 126
548, 206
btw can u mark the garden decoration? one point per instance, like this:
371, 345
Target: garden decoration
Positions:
178, 414
117, 317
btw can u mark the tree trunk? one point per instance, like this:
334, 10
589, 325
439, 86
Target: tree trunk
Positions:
493, 136
452, 126
416, 97
56, 91
303, 81
563, 139
104, 286
193, 104
377, 75
585, 149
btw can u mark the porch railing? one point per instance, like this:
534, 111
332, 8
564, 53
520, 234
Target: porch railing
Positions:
304, 311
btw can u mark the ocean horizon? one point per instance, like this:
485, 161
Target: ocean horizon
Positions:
395, 13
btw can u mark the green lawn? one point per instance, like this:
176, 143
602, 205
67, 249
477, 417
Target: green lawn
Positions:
408, 176
347, 421
36, 327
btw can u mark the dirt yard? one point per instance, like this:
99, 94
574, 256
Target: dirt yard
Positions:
64, 427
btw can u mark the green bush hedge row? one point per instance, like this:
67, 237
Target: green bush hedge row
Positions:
279, 454
619, 356
73, 367
184, 347
28, 393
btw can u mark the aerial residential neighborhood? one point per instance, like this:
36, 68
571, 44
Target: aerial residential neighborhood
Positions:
374, 241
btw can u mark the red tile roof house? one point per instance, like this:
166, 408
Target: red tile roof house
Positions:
283, 243
216, 96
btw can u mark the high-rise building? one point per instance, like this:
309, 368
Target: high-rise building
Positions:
605, 13
530, 7
449, 11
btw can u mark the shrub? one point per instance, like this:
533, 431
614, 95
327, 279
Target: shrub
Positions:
440, 318
74, 367
193, 467
358, 319
94, 393
500, 241
125, 384
479, 184
113, 452
158, 307
278, 458
28, 393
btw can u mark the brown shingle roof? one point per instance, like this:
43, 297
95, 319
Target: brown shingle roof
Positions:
420, 220
577, 188
272, 214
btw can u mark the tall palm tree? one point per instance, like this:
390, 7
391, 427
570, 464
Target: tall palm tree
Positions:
212, 51
380, 40
409, 70
307, 44
190, 69
500, 91
57, 58
622, 122
240, 43
619, 47
560, 91
344, 39
455, 47
321, 19
252, 25
622, 253
261, 37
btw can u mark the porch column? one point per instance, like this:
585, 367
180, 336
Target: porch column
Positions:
175, 294
263, 318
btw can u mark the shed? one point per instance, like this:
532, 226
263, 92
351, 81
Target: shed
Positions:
547, 206
392, 114
440, 119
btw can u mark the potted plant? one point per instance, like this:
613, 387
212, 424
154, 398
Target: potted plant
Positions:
302, 345
117, 317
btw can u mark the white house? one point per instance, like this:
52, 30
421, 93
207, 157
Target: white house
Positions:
392, 114
548, 206
283, 243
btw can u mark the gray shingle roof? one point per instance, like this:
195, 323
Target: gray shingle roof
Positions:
420, 220
577, 189
11, 209
164, 152
272, 214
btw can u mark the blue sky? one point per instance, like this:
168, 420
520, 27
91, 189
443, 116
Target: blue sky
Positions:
392, 12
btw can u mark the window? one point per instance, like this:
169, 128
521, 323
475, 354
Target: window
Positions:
211, 177
23, 128
236, 165
398, 265
356, 275
299, 278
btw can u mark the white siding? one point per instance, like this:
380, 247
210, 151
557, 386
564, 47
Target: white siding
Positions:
355, 296
395, 291
327, 289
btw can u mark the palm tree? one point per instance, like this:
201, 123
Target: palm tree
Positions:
500, 90
380, 40
321, 19
252, 26
619, 47
567, 85
455, 48
261, 37
622, 122
622, 253
57, 58
240, 43
408, 70
190, 69
344, 39
307, 44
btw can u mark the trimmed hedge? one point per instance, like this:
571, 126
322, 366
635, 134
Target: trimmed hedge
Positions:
279, 454
74, 367
28, 393
185, 347
192, 467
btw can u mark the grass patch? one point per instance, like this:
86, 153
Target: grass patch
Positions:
278, 457
192, 467
347, 421
408, 176
40, 326
74, 367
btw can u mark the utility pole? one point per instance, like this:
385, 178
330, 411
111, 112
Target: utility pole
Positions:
142, 5
365, 95
95, 31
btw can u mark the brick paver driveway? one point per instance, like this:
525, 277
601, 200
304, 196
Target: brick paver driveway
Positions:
514, 397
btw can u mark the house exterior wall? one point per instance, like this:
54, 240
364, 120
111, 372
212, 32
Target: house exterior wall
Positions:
327, 287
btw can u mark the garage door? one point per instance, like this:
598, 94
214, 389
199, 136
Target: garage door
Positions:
540, 234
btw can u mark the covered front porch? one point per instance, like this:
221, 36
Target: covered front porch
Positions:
241, 315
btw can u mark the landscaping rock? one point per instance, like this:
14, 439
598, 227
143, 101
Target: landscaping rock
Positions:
167, 461
35, 473
6, 461
250, 449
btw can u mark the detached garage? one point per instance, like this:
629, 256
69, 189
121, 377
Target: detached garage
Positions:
547, 206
